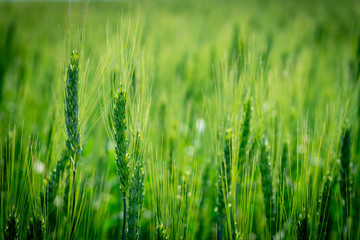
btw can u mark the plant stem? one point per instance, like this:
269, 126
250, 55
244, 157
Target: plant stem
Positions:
124, 216
74, 195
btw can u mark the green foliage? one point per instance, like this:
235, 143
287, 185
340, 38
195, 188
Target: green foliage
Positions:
345, 161
35, 228
302, 231
161, 232
12, 230
323, 208
345, 179
6, 54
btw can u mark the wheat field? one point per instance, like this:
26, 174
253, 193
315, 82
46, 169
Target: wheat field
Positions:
180, 119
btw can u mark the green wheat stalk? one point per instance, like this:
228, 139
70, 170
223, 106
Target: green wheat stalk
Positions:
121, 151
54, 178
323, 208
73, 148
136, 192
345, 178
245, 129
283, 164
224, 183
72, 108
72, 120
245, 133
267, 188
282, 193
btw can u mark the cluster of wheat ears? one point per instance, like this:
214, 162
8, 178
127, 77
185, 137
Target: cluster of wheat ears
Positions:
131, 179
267, 149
